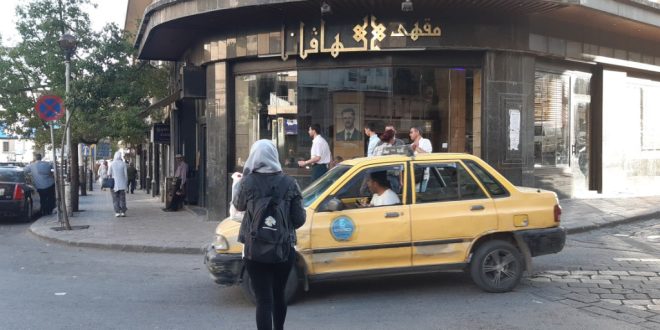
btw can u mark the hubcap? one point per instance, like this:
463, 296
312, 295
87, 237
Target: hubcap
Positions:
500, 267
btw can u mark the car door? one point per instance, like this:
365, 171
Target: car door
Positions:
363, 238
449, 211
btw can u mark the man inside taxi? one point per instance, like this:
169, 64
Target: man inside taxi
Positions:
379, 185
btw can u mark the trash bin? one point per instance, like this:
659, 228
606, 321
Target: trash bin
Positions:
170, 189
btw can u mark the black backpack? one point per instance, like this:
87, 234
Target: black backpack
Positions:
269, 239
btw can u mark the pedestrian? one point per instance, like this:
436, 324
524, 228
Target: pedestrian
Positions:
180, 174
397, 141
320, 153
42, 176
386, 141
420, 145
117, 171
103, 173
132, 176
263, 170
370, 131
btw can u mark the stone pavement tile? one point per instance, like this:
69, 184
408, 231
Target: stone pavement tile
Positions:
642, 273
636, 312
637, 302
566, 280
612, 296
656, 301
604, 277
584, 280
579, 290
584, 272
623, 291
540, 279
636, 296
654, 308
650, 325
573, 303
612, 302
583, 285
655, 319
610, 286
613, 272
599, 291
584, 297
558, 272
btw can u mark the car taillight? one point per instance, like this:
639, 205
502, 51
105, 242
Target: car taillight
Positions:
19, 193
557, 213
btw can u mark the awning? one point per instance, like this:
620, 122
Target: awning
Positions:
161, 103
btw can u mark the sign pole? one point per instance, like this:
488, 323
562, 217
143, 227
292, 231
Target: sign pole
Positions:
57, 178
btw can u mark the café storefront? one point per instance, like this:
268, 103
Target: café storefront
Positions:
508, 82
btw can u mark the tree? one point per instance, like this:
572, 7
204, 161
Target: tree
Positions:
108, 87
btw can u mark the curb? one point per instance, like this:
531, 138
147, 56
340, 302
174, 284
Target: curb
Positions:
122, 247
586, 228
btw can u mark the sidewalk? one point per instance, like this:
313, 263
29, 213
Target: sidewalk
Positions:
146, 228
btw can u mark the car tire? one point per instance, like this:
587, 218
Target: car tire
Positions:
28, 213
292, 286
497, 266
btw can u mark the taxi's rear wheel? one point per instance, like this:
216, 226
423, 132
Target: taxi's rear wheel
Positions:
292, 285
497, 266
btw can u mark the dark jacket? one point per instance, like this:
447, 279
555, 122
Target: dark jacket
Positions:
250, 189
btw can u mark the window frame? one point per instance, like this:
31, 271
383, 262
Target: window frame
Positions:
480, 186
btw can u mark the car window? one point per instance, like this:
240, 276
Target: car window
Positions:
357, 190
493, 186
11, 175
447, 181
312, 192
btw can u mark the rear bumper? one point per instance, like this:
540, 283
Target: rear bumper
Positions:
543, 241
11, 208
225, 269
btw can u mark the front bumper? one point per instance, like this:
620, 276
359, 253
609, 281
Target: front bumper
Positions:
543, 241
225, 269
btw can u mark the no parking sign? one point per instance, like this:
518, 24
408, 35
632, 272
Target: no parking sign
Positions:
50, 107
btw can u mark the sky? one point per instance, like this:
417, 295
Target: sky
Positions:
107, 11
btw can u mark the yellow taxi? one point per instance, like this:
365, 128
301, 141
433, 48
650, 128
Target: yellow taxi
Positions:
401, 214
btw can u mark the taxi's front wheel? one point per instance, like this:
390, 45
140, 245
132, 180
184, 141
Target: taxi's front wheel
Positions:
496, 266
292, 285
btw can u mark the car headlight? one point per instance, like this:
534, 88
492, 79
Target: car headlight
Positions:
220, 243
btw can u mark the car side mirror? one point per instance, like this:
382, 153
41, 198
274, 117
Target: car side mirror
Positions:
332, 205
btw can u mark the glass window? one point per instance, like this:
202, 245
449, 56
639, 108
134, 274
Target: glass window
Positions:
5, 146
444, 182
551, 125
492, 185
11, 175
371, 184
311, 193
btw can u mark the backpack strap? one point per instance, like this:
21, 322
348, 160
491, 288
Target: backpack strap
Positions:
280, 188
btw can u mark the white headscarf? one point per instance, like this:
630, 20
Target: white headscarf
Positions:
263, 158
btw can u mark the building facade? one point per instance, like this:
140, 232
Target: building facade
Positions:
562, 95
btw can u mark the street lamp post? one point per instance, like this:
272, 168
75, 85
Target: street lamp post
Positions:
68, 44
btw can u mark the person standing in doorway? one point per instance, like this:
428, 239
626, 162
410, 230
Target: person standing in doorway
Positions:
320, 153
42, 176
370, 131
419, 145
263, 177
181, 175
117, 171
132, 176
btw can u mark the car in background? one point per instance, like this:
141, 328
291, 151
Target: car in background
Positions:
12, 164
19, 199
451, 212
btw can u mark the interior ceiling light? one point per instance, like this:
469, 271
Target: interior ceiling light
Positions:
325, 8
407, 6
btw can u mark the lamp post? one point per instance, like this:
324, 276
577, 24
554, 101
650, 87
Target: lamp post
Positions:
68, 44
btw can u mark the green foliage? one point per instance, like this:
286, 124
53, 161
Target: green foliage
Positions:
108, 87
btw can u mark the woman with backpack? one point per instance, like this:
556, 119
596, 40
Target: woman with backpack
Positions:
273, 211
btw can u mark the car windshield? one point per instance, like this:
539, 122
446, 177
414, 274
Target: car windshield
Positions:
11, 175
313, 191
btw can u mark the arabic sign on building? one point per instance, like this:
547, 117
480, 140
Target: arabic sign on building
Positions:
316, 40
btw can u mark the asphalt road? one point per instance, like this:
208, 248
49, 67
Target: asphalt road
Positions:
51, 286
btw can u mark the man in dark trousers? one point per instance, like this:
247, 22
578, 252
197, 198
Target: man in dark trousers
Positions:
132, 176
180, 192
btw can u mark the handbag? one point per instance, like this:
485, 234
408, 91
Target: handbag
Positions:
108, 183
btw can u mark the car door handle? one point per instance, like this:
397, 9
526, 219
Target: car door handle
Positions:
477, 208
392, 214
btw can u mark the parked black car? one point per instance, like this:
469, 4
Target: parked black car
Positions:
18, 197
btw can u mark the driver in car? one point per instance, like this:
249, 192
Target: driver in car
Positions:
379, 185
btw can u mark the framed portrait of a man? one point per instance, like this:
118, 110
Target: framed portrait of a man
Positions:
349, 136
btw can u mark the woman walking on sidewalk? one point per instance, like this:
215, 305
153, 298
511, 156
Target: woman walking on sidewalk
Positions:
103, 172
268, 277
117, 171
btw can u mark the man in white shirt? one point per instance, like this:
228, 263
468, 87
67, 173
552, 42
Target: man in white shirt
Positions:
320, 153
420, 145
380, 187
370, 131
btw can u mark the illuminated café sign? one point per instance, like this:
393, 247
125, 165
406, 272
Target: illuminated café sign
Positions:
317, 44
